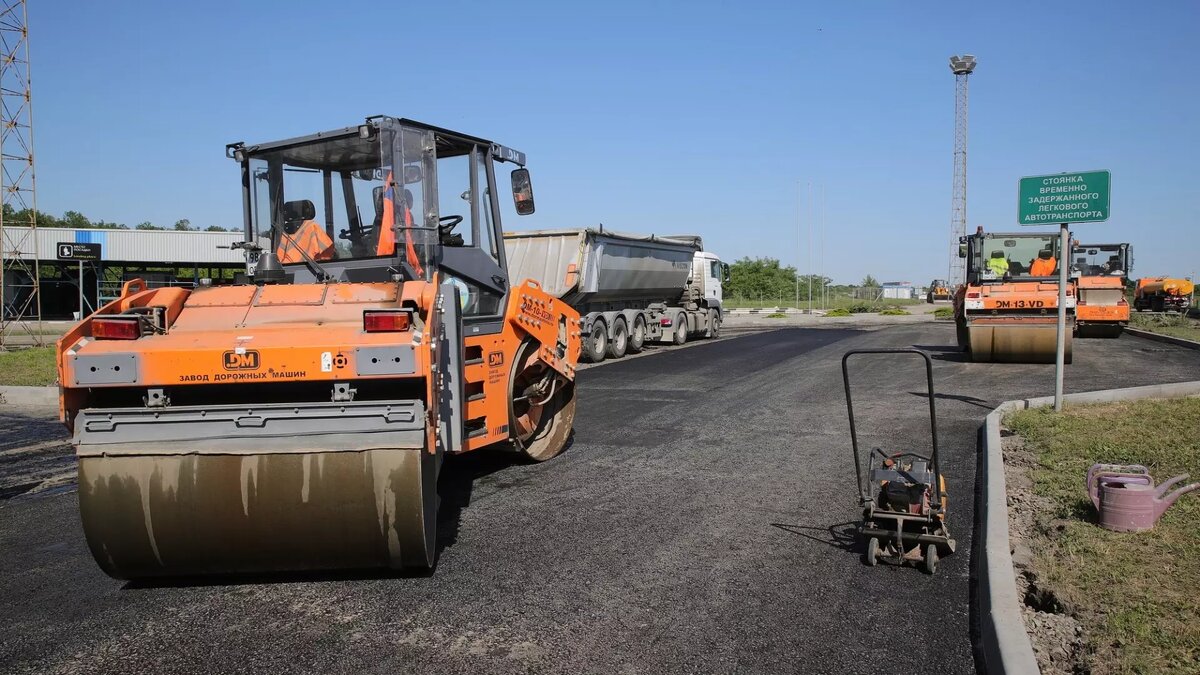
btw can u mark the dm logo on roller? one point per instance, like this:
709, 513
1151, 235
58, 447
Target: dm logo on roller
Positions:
246, 360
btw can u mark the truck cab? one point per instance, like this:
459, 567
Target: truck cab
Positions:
708, 274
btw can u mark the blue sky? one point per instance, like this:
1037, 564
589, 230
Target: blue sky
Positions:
698, 117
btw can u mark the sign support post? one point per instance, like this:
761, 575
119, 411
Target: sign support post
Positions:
1060, 357
81, 314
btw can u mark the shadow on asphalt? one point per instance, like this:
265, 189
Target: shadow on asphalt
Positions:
951, 353
843, 536
938, 348
957, 397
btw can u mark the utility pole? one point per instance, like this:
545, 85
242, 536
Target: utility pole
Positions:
962, 66
810, 246
20, 299
799, 236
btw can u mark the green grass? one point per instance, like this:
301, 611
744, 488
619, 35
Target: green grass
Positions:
28, 367
943, 313
1167, 324
1135, 594
841, 311
833, 302
776, 315
895, 311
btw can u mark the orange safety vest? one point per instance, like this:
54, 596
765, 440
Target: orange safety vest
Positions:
310, 238
387, 235
1042, 267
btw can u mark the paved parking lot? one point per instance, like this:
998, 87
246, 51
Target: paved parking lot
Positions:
701, 521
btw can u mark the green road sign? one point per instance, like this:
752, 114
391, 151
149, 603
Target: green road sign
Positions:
1081, 197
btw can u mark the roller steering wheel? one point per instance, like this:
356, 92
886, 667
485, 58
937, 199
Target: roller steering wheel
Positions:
446, 224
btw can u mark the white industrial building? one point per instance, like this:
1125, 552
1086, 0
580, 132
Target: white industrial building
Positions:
161, 257
897, 290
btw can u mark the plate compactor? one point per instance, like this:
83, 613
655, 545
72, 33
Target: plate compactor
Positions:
903, 496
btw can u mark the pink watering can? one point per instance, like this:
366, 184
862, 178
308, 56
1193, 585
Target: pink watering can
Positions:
1126, 497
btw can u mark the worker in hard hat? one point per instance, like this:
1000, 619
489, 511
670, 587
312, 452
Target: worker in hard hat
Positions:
998, 264
302, 234
1045, 264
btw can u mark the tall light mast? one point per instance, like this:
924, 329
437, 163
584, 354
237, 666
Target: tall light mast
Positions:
962, 67
20, 301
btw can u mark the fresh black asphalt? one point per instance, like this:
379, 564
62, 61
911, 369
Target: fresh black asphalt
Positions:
701, 521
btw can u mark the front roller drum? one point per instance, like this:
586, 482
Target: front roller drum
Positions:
541, 406
156, 515
1015, 342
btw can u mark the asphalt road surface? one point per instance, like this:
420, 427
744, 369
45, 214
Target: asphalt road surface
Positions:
701, 521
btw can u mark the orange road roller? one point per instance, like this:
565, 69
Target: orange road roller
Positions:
297, 418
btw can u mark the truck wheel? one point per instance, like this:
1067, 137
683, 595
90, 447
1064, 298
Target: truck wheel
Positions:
638, 337
597, 343
620, 340
681, 330
714, 324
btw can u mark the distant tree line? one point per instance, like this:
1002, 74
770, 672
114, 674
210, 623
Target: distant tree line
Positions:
78, 220
767, 278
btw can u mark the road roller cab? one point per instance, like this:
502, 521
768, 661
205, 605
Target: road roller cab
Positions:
297, 420
1004, 312
939, 290
1100, 273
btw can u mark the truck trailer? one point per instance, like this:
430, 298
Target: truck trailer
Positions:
627, 288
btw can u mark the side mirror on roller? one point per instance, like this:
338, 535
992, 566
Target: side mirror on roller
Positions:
522, 189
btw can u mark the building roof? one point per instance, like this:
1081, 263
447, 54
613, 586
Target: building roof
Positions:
132, 246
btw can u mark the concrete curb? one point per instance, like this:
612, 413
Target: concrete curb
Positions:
1005, 644
29, 396
1159, 337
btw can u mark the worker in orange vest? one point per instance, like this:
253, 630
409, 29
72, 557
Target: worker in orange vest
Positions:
308, 237
1045, 264
387, 233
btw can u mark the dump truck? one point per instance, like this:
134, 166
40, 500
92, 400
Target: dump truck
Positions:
1099, 272
939, 289
1161, 294
298, 420
629, 289
1008, 308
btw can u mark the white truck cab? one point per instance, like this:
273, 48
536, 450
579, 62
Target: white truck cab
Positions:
708, 273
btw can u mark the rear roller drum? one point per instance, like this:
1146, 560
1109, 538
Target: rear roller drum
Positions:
541, 406
184, 512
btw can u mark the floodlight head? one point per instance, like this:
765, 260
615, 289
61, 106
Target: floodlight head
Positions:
962, 65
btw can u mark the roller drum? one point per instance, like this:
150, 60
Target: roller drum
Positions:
180, 514
1017, 342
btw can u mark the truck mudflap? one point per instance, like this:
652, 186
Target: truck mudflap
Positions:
241, 490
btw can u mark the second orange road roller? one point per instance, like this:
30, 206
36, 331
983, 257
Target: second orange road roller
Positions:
1008, 308
297, 419
1100, 272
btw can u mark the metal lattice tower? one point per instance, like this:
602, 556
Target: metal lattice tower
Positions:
962, 67
20, 300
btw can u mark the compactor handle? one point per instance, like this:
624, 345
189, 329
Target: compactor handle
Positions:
937, 471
